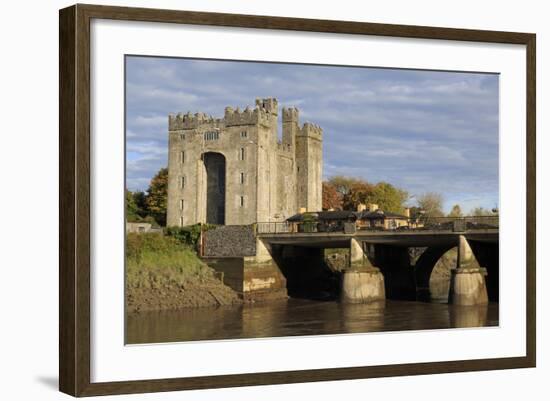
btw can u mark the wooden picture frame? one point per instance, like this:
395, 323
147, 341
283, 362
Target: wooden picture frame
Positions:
74, 199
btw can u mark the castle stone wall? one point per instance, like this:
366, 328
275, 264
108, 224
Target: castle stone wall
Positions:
263, 175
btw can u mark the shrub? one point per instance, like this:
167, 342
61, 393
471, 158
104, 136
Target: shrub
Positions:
188, 235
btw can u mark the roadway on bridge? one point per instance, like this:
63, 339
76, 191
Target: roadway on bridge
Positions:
396, 238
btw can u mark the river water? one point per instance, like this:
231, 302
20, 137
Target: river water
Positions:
298, 317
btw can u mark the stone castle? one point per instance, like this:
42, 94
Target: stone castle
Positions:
234, 170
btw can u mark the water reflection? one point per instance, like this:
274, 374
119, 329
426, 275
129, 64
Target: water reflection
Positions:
297, 317
469, 316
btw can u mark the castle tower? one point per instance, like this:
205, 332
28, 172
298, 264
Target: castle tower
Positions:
309, 166
269, 104
266, 161
290, 126
233, 170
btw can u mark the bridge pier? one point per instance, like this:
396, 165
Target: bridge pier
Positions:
468, 279
487, 254
306, 272
394, 263
362, 282
295, 260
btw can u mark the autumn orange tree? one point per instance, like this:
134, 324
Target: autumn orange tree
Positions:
331, 198
359, 192
342, 184
353, 191
156, 199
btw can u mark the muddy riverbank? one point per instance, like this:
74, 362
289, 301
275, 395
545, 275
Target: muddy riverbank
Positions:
164, 274
192, 293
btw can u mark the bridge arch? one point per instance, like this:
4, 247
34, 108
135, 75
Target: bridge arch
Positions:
424, 267
487, 254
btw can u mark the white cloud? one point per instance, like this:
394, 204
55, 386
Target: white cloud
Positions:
421, 130
151, 121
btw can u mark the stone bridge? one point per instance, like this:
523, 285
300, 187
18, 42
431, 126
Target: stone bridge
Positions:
394, 264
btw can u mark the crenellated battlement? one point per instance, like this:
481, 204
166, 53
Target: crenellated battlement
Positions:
182, 121
270, 105
265, 112
290, 114
311, 130
248, 116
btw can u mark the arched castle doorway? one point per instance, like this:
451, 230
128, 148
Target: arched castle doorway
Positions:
214, 164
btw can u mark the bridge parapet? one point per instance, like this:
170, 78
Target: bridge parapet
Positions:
452, 224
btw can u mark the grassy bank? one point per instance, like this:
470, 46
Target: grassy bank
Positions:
163, 273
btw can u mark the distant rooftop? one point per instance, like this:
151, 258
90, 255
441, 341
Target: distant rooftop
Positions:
350, 215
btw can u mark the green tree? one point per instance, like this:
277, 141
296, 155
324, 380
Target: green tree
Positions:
140, 201
354, 191
343, 184
131, 207
157, 196
456, 211
431, 203
415, 212
358, 192
388, 197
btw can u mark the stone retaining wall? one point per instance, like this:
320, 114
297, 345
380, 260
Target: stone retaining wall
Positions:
229, 241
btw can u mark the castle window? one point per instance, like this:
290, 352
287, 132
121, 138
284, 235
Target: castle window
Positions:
211, 136
182, 137
181, 221
244, 134
182, 157
241, 154
182, 182
241, 178
242, 201
181, 204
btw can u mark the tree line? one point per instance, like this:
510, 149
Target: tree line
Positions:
346, 193
339, 193
149, 206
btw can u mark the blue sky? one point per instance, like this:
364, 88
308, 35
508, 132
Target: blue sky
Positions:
419, 130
